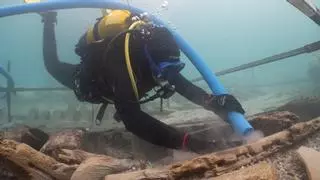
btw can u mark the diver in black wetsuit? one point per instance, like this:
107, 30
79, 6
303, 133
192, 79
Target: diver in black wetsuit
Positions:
102, 76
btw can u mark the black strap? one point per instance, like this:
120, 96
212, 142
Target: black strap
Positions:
96, 31
100, 114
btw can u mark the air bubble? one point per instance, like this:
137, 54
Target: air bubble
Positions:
165, 4
135, 18
144, 15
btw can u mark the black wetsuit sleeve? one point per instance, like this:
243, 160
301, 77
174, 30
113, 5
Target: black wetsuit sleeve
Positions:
163, 46
62, 72
140, 123
150, 129
188, 90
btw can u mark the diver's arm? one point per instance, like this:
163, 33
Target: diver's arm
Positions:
148, 128
158, 133
189, 90
145, 126
162, 46
219, 104
62, 72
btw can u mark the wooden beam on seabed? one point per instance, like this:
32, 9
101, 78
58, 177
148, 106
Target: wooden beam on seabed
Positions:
40, 166
229, 160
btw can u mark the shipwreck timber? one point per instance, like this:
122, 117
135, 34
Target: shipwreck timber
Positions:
67, 154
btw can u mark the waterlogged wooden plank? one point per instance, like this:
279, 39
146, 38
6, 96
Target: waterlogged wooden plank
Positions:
311, 160
36, 164
223, 162
261, 171
98, 167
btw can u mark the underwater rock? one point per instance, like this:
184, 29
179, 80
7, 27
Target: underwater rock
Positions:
305, 107
31, 136
144, 150
116, 143
111, 143
260, 171
66, 139
95, 168
272, 122
11, 171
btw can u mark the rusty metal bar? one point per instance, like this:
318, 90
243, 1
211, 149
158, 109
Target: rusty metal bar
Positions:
305, 49
21, 89
10, 84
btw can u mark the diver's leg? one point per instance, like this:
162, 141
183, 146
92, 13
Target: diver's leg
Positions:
62, 72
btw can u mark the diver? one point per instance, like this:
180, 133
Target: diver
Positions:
121, 65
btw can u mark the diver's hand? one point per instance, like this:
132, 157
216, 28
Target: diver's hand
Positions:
224, 102
49, 17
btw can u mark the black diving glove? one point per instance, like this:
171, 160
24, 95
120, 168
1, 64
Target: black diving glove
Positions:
223, 103
49, 17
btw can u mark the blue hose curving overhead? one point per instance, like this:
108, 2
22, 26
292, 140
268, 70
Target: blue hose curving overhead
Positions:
238, 122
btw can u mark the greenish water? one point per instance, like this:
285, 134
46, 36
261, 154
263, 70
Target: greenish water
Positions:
226, 33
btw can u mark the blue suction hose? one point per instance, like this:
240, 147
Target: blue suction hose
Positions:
237, 120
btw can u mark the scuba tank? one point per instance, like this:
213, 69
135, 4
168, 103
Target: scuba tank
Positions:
106, 27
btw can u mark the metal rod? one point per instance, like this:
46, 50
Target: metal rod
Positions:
9, 86
305, 49
92, 115
32, 89
168, 103
161, 104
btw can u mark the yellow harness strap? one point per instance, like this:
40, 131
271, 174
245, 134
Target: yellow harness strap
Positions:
128, 61
112, 23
